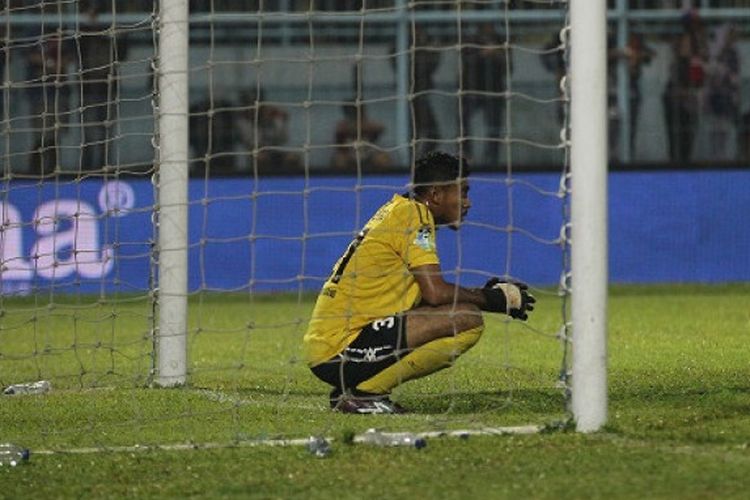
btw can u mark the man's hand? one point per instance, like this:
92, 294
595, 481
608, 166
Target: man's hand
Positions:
509, 297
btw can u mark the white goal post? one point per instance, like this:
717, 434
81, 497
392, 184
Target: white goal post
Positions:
172, 88
588, 136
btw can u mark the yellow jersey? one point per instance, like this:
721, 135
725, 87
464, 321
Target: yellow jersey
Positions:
372, 280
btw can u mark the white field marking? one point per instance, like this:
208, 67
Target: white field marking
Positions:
253, 443
485, 431
728, 453
173, 447
223, 397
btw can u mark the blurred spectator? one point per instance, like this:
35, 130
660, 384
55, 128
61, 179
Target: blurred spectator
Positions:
350, 130
723, 91
636, 54
101, 52
686, 80
613, 110
48, 95
743, 137
264, 130
424, 62
213, 135
553, 60
485, 65
4, 49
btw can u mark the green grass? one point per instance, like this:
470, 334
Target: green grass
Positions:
679, 423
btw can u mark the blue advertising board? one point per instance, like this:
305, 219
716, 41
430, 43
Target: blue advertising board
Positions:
285, 233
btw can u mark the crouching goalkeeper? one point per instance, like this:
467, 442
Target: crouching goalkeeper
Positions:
386, 315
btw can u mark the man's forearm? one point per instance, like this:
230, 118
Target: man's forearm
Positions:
450, 293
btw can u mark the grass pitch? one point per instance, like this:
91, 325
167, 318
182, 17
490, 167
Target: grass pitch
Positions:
679, 422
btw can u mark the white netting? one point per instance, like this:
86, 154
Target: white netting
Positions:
75, 279
304, 118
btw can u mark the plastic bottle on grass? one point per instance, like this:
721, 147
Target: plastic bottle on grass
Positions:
318, 446
12, 455
377, 438
40, 387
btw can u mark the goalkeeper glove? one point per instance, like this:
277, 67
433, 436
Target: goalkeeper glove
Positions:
509, 297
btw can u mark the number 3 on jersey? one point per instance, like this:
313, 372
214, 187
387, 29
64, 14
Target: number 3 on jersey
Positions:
383, 323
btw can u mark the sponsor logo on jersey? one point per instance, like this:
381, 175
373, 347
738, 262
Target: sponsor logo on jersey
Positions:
424, 239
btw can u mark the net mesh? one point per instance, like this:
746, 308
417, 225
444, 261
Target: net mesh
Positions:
304, 119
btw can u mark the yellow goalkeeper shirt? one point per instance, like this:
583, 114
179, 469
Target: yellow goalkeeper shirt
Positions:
372, 280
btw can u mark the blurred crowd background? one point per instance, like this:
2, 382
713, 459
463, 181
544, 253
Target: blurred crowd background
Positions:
293, 85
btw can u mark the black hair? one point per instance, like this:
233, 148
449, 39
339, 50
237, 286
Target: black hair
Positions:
438, 167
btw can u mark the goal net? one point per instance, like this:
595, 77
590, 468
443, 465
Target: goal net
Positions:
300, 119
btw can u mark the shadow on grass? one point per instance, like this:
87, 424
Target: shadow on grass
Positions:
517, 401
537, 403
522, 401
530, 401
663, 394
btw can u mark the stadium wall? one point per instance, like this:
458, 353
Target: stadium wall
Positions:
664, 227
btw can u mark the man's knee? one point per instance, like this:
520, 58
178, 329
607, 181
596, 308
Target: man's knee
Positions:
427, 323
467, 317
469, 325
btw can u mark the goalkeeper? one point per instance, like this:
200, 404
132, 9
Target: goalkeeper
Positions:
386, 315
